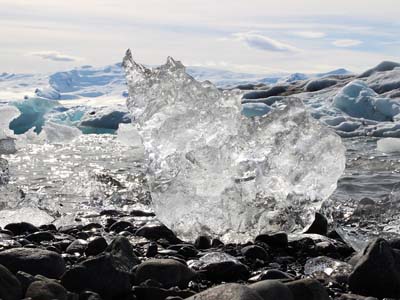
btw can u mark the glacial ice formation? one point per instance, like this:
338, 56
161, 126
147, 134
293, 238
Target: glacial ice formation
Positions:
33, 111
54, 133
358, 100
389, 145
213, 171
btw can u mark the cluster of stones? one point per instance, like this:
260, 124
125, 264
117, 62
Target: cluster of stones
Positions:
130, 256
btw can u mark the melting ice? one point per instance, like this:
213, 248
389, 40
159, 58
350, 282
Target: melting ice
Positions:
211, 170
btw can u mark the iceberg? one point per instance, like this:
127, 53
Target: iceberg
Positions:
358, 100
55, 133
32, 114
213, 171
389, 145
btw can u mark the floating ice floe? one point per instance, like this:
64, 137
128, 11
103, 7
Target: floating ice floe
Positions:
213, 171
389, 145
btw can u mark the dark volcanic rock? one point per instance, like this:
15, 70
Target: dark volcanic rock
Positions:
255, 252
157, 231
155, 293
202, 242
77, 246
10, 287
272, 289
230, 291
225, 271
276, 240
377, 272
21, 228
319, 225
96, 246
33, 261
102, 274
46, 290
168, 272
308, 289
40, 236
121, 249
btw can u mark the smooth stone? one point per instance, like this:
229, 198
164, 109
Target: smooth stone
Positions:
96, 246
77, 246
308, 289
46, 290
10, 287
157, 231
254, 252
89, 295
272, 289
122, 250
230, 291
274, 274
377, 272
152, 250
33, 261
121, 226
21, 228
168, 272
40, 236
141, 213
156, 293
102, 274
91, 226
202, 242
275, 240
318, 226
225, 271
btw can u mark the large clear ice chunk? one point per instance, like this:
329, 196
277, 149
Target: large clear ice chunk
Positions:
213, 171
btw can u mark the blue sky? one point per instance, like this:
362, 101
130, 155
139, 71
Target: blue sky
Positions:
246, 36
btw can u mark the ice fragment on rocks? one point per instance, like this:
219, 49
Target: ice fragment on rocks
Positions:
223, 174
327, 266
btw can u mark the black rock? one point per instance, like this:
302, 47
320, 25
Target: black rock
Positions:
102, 274
10, 287
141, 213
168, 272
88, 295
232, 291
152, 250
274, 274
96, 246
377, 272
308, 289
202, 242
46, 290
319, 225
276, 240
255, 252
225, 271
121, 226
157, 231
33, 261
91, 226
272, 289
21, 228
25, 279
156, 293
40, 236
77, 246
121, 249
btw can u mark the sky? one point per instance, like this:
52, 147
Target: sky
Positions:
252, 36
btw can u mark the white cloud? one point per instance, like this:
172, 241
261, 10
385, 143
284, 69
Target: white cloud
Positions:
344, 43
262, 42
54, 56
310, 34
